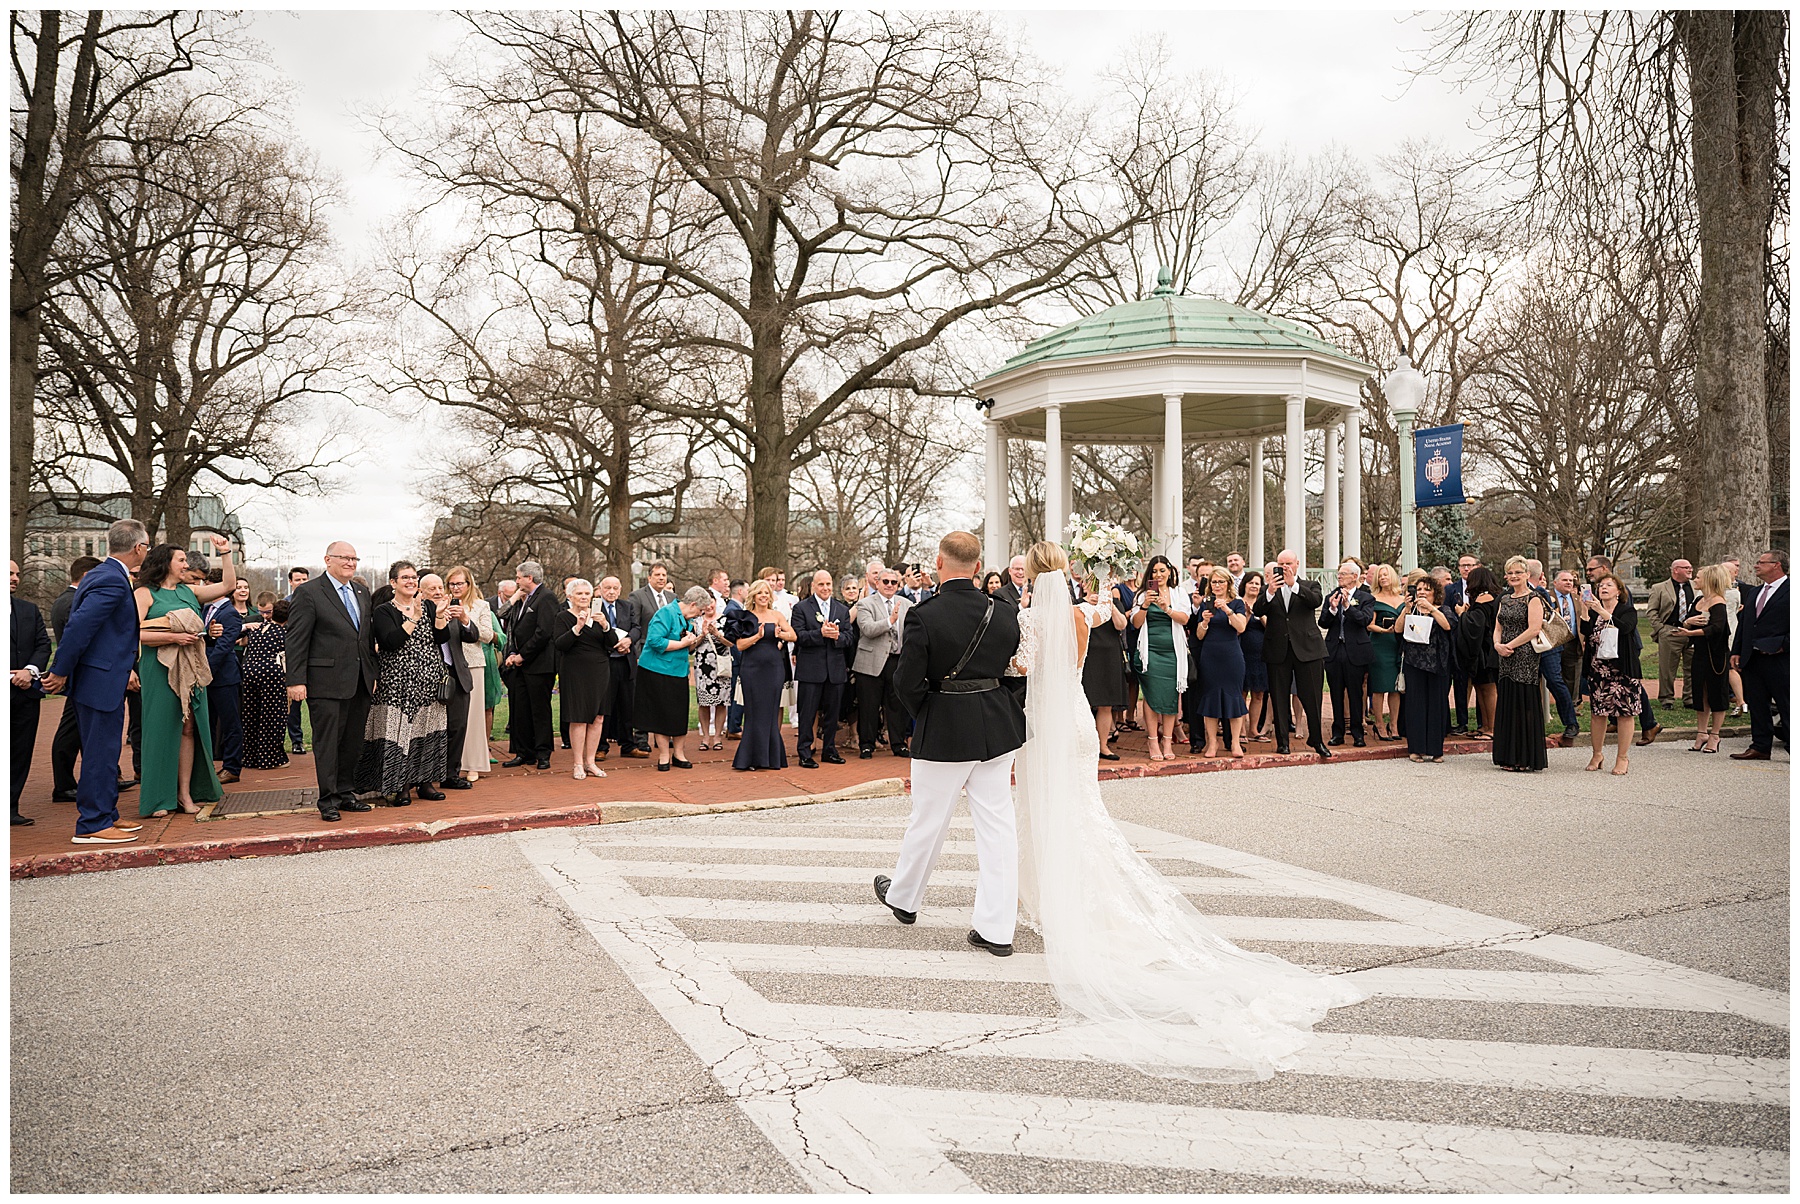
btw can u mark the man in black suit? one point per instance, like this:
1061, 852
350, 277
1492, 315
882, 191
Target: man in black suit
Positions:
954, 649
1012, 589
1349, 651
1760, 655
621, 663
822, 630
330, 646
532, 657
646, 600
1456, 601
1294, 647
30, 658
297, 576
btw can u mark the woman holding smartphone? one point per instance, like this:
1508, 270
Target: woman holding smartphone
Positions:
1159, 615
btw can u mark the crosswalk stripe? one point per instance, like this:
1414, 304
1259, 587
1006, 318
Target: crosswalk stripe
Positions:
1375, 1154
728, 871
1635, 1073
1487, 986
873, 915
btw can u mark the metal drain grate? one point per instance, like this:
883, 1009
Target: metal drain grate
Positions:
239, 804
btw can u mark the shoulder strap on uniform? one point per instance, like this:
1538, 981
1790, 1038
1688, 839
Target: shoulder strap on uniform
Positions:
980, 630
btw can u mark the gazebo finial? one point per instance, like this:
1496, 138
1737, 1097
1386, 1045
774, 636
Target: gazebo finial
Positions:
1165, 283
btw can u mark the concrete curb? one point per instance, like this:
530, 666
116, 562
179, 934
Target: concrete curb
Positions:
88, 861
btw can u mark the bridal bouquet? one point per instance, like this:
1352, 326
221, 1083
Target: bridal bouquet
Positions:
1098, 548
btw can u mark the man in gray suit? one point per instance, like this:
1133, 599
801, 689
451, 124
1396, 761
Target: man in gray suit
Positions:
880, 618
331, 668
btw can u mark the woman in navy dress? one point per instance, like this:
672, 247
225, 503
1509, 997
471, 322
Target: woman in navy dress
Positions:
762, 671
1256, 669
1219, 624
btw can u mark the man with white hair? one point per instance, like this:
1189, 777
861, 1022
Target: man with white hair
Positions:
1294, 647
331, 667
621, 659
1013, 588
532, 657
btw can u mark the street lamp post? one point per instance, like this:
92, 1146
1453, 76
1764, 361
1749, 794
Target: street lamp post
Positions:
1404, 389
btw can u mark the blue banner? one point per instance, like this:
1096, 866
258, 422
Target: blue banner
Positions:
1437, 466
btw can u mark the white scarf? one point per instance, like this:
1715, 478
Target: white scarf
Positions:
1179, 639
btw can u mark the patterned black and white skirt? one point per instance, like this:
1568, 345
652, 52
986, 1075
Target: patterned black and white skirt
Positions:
406, 742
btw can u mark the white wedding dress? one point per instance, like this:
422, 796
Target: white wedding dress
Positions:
1127, 953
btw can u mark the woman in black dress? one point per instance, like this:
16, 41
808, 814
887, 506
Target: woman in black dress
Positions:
1475, 643
1519, 708
762, 670
584, 638
406, 743
1425, 703
1709, 634
265, 691
1103, 675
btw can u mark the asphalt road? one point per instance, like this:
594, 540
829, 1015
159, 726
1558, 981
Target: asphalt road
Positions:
715, 1004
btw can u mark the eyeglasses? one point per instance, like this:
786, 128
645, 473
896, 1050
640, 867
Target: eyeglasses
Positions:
890, 581
345, 559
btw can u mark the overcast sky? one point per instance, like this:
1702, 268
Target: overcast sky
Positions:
1309, 80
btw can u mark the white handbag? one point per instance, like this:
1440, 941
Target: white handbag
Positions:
1606, 644
1418, 629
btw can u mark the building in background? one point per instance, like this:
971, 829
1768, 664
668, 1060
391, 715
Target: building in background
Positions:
54, 539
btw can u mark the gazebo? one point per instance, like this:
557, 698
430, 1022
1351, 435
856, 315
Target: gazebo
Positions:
1170, 370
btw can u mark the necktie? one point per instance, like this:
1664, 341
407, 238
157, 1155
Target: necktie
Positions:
611, 617
1762, 598
350, 605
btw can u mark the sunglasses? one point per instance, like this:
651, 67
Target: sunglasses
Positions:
890, 581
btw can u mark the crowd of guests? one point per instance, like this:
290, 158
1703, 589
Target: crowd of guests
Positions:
401, 684
1218, 658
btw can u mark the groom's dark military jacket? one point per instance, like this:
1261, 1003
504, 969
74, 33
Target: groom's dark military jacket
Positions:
959, 726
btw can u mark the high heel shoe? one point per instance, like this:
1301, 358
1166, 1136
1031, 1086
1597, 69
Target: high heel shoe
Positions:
594, 771
1712, 745
1699, 745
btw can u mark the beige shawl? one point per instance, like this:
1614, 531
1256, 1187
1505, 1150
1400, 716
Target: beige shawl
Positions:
186, 663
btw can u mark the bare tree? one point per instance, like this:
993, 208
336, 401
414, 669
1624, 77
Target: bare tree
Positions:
193, 326
110, 59
876, 179
1697, 102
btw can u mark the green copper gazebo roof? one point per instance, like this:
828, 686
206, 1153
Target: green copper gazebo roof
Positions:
1168, 321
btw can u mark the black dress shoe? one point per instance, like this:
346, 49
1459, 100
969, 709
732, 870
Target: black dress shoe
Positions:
1324, 753
298, 751
865, 753
1359, 742
830, 757
355, 805
329, 815
981, 942
23, 821
514, 763
662, 767
457, 784
806, 762
544, 764
902, 751
128, 783
678, 763
1336, 741
882, 882
402, 799
1281, 748
432, 793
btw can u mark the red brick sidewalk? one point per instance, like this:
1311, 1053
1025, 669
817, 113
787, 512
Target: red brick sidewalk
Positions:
513, 799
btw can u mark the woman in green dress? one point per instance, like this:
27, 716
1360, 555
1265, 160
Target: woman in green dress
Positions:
177, 748
1160, 618
1384, 634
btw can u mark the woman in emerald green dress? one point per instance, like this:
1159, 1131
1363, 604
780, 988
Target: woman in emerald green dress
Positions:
177, 748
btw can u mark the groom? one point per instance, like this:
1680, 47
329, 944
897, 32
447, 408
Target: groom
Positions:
966, 729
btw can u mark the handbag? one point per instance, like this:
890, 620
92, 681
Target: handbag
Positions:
1552, 635
1418, 629
1606, 644
446, 691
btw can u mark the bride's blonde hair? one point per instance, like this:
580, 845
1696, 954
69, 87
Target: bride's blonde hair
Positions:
1043, 557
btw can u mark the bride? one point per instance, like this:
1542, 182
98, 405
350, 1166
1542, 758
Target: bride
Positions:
1126, 952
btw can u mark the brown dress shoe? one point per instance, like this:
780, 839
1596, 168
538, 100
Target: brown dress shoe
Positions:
1648, 735
1751, 754
226, 778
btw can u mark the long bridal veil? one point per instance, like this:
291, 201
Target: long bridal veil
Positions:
1126, 952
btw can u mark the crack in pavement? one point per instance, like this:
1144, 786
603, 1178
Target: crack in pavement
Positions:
1381, 819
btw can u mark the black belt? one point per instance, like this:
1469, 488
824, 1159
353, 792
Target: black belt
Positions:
973, 685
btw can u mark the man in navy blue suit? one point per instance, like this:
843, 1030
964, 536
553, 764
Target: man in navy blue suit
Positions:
30, 657
822, 630
98, 652
1761, 655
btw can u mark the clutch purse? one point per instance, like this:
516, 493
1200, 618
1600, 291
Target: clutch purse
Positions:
738, 625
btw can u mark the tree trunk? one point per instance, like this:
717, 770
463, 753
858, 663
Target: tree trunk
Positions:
27, 324
1733, 71
771, 479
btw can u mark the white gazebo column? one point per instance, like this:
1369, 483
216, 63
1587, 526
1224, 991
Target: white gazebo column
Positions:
1353, 483
1328, 510
1159, 516
1259, 551
1172, 548
1056, 468
996, 535
1061, 535
1294, 452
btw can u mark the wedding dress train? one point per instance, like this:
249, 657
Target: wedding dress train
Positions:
1126, 952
